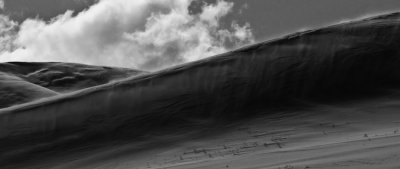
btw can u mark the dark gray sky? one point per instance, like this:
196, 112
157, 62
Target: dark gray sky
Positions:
19, 10
268, 18
271, 18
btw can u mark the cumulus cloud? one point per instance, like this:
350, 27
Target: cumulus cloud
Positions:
143, 34
1, 4
8, 33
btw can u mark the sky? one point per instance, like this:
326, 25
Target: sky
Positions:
154, 34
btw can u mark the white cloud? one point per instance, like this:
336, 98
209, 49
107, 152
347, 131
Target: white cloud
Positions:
1, 4
143, 34
8, 32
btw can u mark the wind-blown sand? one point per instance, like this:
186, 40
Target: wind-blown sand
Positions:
324, 98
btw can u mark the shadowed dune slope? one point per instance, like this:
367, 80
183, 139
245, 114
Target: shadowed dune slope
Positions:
329, 63
14, 90
24, 82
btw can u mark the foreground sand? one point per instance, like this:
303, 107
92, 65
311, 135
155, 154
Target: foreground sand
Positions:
350, 136
358, 135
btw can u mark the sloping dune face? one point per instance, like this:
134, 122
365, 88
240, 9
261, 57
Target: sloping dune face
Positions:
25, 82
14, 90
332, 62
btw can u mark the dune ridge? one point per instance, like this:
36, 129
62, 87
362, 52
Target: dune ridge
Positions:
332, 62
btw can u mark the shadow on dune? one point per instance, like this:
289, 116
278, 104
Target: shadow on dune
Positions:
336, 63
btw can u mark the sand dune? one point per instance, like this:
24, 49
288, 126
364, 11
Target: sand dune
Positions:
15, 90
25, 82
337, 66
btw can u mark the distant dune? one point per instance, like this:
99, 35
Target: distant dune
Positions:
25, 82
337, 64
